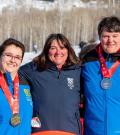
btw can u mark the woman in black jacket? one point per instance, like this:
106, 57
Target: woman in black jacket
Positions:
54, 77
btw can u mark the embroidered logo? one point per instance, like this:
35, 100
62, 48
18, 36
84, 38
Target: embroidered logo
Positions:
28, 95
70, 83
27, 92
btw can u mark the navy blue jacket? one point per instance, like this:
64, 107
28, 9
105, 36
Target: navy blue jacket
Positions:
56, 97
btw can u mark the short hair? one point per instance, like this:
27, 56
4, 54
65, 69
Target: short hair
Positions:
9, 42
109, 24
43, 58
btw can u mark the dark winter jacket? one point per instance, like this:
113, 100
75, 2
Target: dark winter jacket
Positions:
56, 96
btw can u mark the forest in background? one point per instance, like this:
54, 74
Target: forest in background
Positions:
33, 27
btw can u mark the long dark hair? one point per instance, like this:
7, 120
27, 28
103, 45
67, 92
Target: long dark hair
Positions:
42, 60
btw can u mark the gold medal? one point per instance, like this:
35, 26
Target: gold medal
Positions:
15, 120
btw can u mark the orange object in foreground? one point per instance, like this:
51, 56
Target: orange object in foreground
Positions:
52, 133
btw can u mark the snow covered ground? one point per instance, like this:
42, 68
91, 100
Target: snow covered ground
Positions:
30, 55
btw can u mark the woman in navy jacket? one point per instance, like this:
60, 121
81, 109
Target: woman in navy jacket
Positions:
54, 77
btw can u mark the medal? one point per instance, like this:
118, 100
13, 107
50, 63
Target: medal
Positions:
106, 83
15, 120
106, 73
13, 100
35, 122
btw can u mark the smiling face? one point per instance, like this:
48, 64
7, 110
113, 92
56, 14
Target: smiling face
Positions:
58, 54
110, 41
11, 59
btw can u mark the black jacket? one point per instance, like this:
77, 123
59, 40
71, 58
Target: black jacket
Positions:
56, 96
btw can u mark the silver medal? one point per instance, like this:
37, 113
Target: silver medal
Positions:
106, 83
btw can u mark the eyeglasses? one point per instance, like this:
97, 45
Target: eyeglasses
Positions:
9, 56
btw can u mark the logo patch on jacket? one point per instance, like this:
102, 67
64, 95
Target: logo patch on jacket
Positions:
70, 83
28, 95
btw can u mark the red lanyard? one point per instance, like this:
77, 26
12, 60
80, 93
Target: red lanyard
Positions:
12, 100
107, 73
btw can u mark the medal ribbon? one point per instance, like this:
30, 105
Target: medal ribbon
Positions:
12, 100
107, 73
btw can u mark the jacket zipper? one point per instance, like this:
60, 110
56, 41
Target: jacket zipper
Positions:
105, 117
59, 72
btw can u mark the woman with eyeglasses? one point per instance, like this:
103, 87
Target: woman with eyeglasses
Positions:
15, 98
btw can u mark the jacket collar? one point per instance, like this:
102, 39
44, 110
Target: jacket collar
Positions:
113, 56
52, 66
